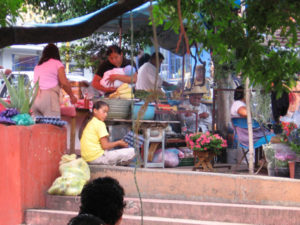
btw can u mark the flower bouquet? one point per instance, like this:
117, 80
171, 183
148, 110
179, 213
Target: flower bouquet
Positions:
206, 142
291, 136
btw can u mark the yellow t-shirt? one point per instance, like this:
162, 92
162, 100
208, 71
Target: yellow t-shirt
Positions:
90, 141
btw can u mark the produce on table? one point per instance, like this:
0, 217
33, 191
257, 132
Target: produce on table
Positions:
123, 92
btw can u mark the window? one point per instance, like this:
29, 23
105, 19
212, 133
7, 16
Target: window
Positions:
24, 62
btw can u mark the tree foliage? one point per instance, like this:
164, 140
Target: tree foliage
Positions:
88, 51
9, 11
244, 43
67, 9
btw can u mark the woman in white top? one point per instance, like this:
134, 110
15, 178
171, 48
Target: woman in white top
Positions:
238, 108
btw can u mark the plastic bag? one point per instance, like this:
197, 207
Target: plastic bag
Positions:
171, 157
283, 154
74, 175
23, 119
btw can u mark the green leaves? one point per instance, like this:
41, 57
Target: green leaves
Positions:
239, 42
22, 96
9, 11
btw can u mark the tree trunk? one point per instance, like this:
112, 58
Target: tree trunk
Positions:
223, 102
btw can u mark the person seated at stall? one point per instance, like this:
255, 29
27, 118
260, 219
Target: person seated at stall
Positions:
194, 103
94, 142
239, 110
147, 75
121, 69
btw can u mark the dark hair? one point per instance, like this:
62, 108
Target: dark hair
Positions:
145, 58
49, 52
99, 104
160, 56
96, 105
104, 198
86, 219
239, 93
113, 48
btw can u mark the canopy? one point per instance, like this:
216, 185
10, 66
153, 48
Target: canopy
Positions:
68, 30
107, 19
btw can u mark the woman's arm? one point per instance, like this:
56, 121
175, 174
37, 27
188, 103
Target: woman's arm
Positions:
64, 83
123, 78
242, 111
106, 145
96, 84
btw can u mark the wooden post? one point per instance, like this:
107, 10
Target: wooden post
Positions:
72, 135
250, 131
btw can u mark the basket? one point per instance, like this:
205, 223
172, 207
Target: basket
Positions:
186, 162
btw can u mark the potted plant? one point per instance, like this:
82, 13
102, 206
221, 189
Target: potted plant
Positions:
205, 146
294, 143
286, 150
21, 99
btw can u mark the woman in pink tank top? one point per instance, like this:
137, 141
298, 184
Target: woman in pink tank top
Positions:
50, 73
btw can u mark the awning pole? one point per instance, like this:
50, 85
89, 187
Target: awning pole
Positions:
120, 31
182, 77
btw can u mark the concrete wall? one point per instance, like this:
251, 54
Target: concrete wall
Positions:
29, 165
203, 186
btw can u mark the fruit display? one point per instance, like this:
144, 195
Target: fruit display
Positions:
123, 92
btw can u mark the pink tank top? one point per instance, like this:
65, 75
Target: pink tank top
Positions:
47, 73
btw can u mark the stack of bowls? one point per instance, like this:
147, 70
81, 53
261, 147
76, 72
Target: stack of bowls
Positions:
118, 108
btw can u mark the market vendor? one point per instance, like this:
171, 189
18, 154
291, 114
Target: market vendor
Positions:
147, 73
50, 73
194, 103
117, 68
201, 80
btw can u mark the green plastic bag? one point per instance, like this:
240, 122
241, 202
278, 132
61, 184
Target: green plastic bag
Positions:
75, 173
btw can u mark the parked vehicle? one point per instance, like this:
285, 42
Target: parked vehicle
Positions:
13, 79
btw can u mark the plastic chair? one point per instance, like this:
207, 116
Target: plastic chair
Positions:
242, 123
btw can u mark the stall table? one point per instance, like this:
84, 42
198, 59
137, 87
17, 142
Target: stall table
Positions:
146, 127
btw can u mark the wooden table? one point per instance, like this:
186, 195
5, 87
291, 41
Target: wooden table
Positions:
73, 113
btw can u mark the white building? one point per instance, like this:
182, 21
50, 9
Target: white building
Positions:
20, 57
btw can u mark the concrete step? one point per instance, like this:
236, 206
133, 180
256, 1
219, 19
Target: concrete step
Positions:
193, 210
172, 184
58, 217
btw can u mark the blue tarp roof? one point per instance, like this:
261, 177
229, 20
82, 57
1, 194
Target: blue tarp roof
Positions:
140, 16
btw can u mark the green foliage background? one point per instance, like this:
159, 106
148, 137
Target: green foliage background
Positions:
238, 41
